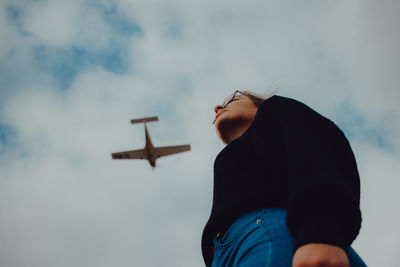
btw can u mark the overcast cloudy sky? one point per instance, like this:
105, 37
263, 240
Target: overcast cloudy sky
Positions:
73, 73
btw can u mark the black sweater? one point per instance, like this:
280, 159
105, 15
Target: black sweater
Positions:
294, 158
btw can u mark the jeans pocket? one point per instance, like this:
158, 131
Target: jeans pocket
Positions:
239, 229
282, 243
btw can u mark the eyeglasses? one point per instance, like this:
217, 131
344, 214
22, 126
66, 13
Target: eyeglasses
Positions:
231, 97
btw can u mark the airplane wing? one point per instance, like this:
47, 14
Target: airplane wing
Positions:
168, 150
133, 154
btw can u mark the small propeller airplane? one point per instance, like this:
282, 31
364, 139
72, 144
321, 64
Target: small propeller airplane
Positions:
149, 152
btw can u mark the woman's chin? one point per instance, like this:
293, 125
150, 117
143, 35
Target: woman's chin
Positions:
224, 126
221, 123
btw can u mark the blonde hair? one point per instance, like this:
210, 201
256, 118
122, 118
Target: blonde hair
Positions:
258, 99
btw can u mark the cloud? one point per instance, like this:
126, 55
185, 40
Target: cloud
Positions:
73, 74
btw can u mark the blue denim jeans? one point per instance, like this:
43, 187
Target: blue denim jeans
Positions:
261, 238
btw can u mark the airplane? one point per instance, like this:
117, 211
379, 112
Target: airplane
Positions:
149, 152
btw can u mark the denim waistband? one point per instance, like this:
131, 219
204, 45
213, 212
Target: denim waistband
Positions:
252, 215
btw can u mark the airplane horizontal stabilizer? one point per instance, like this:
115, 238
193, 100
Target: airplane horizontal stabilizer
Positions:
144, 120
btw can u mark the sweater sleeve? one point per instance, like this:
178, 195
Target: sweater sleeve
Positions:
323, 181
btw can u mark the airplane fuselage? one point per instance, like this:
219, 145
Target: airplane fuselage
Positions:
150, 149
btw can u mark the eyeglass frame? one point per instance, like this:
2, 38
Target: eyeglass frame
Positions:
229, 100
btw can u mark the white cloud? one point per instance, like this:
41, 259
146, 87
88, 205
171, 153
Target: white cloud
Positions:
53, 22
64, 201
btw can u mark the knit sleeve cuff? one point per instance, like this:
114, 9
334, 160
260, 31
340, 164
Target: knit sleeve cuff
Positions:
319, 228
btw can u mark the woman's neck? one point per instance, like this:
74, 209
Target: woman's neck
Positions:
235, 132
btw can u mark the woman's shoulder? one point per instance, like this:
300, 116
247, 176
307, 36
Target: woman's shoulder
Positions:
285, 103
281, 114
285, 108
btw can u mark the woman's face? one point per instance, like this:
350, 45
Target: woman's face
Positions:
235, 116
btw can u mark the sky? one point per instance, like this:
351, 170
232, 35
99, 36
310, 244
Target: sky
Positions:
73, 74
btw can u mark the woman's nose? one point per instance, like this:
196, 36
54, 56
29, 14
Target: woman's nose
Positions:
218, 107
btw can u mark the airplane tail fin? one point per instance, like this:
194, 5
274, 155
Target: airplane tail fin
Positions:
141, 120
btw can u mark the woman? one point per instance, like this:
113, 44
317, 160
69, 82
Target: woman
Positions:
286, 187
